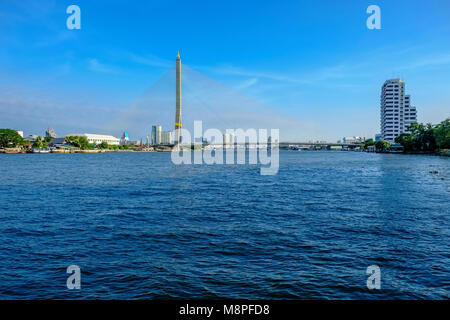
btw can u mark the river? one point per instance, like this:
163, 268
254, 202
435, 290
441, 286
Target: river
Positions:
140, 227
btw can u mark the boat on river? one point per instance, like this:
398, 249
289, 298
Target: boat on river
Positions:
41, 150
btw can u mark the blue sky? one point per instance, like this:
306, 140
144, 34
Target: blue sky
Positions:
315, 61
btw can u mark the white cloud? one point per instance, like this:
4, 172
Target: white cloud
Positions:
247, 83
34, 111
96, 66
150, 60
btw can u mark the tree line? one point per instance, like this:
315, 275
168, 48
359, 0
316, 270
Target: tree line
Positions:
426, 137
11, 139
422, 138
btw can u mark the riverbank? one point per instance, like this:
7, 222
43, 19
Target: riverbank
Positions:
69, 151
445, 153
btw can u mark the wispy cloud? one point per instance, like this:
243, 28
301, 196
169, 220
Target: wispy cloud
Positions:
428, 61
33, 111
238, 71
56, 38
20, 11
344, 71
339, 71
247, 83
150, 60
96, 66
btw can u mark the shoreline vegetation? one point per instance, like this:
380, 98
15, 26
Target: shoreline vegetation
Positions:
11, 142
423, 139
75, 150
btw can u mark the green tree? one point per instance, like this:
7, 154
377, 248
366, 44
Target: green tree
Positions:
407, 141
10, 139
39, 143
84, 143
428, 141
382, 145
367, 143
103, 145
80, 142
442, 134
423, 135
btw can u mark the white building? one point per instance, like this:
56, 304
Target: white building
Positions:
396, 113
32, 137
97, 138
156, 134
50, 133
166, 137
20, 132
353, 139
410, 113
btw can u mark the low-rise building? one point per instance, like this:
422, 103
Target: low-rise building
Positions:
98, 138
32, 137
57, 142
354, 140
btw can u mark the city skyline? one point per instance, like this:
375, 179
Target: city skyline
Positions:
305, 66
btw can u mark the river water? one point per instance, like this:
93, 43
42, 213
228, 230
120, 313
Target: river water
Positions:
140, 227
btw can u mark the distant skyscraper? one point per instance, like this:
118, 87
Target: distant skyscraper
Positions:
166, 137
396, 114
156, 134
50, 133
125, 136
178, 101
226, 139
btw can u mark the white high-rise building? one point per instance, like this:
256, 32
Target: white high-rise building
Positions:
156, 134
396, 113
50, 133
166, 137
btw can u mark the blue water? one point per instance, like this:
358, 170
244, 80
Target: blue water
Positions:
140, 227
